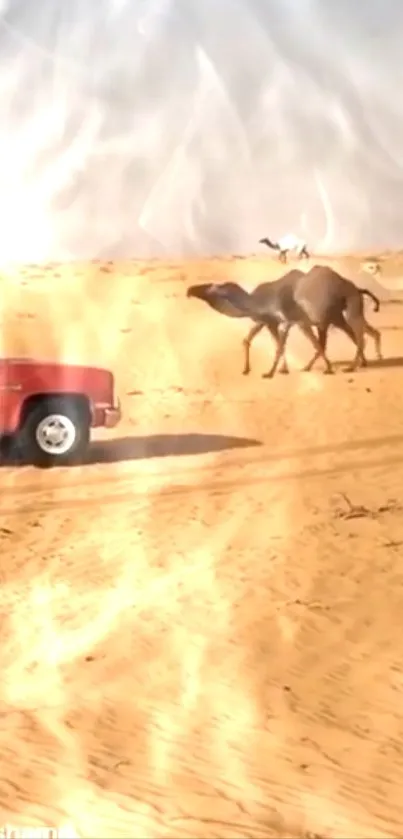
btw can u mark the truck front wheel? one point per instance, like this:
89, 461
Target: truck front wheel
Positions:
55, 432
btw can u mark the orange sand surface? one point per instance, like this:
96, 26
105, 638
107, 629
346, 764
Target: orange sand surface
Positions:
202, 626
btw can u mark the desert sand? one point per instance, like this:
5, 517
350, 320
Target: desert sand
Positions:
202, 626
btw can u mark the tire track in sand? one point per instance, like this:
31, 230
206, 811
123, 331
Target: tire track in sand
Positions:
54, 481
38, 500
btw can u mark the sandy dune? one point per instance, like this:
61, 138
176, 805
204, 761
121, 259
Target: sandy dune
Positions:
202, 626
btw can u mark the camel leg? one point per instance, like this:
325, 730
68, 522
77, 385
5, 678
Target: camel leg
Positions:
358, 328
341, 323
282, 335
274, 330
322, 338
376, 336
345, 326
306, 328
256, 328
283, 369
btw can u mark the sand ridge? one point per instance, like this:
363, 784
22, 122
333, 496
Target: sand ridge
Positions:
201, 626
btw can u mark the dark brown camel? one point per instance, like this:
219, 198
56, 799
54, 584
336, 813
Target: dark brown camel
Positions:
319, 298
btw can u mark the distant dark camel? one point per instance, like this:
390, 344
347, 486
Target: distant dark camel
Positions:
320, 298
286, 245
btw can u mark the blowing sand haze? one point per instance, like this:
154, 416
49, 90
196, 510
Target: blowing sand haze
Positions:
202, 624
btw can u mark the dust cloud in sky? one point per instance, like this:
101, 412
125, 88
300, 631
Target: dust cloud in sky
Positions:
172, 127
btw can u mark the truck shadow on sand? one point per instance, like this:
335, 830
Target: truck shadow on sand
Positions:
163, 445
142, 448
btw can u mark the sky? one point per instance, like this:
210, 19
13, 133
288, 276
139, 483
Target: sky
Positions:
143, 128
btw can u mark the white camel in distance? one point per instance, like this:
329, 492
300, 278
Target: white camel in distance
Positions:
287, 244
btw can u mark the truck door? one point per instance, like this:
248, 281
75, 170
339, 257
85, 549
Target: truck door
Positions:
10, 396
3, 386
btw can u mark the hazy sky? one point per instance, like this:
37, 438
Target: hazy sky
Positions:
144, 127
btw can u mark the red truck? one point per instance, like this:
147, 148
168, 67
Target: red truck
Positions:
48, 409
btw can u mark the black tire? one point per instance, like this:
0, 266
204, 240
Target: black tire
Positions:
34, 441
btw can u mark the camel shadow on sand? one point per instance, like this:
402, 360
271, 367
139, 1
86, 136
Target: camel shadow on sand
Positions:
372, 364
385, 363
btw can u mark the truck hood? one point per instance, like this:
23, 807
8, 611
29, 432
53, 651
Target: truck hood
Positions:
35, 375
45, 364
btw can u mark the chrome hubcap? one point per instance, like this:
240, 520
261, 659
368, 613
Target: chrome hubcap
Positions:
55, 434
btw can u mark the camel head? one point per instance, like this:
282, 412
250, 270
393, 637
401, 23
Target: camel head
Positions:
273, 245
226, 298
371, 267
